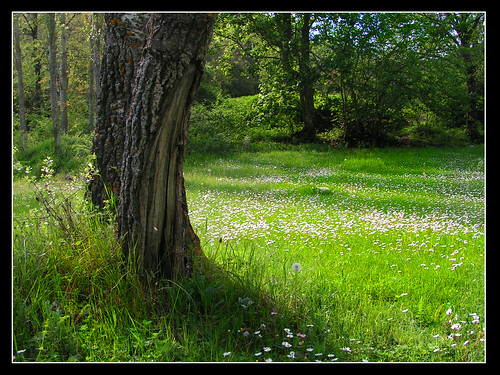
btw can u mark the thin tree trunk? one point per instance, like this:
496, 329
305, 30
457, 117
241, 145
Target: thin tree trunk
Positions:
63, 76
96, 52
54, 113
20, 81
32, 21
94, 68
306, 85
91, 92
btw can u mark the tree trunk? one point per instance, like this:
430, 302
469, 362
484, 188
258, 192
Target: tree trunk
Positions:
91, 92
465, 27
308, 132
306, 83
124, 39
32, 22
144, 111
94, 68
20, 82
63, 76
152, 215
54, 113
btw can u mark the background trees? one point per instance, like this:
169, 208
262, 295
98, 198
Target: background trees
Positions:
70, 34
370, 79
280, 48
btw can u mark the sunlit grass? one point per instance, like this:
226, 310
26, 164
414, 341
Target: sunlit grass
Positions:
396, 235
390, 244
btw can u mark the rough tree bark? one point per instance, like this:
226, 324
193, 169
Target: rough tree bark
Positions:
143, 112
124, 39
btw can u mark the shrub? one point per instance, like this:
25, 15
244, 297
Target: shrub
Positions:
425, 134
224, 126
75, 150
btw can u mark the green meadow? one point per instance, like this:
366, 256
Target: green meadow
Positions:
390, 247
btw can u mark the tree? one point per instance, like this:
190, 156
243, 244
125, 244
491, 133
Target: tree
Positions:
54, 113
280, 44
63, 76
32, 29
20, 81
307, 80
466, 33
124, 39
153, 66
94, 66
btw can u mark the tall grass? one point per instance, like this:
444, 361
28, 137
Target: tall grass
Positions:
390, 243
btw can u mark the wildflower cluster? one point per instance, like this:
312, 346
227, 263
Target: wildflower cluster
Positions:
286, 345
47, 170
462, 334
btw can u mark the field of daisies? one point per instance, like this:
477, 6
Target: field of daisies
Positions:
316, 254
390, 245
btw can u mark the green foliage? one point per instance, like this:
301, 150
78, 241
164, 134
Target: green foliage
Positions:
35, 63
377, 64
224, 126
423, 134
75, 151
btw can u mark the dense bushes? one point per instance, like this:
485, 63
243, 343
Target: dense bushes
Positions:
257, 121
31, 149
234, 124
